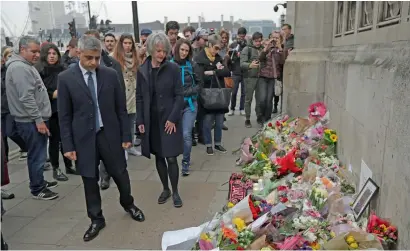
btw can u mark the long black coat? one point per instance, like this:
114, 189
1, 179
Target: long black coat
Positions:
77, 117
170, 102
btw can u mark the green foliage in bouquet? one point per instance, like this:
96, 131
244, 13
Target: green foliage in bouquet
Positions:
245, 238
347, 188
254, 168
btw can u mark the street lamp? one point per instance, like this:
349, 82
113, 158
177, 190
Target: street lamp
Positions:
276, 8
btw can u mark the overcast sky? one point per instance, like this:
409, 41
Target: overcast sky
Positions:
121, 12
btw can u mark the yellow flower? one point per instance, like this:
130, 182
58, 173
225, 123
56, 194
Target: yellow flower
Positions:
205, 237
284, 124
350, 240
264, 156
354, 245
239, 223
332, 234
383, 227
230, 205
328, 131
333, 137
315, 246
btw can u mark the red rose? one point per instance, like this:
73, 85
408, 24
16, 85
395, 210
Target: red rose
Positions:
283, 199
270, 124
278, 124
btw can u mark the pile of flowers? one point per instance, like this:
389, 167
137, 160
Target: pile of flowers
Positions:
301, 196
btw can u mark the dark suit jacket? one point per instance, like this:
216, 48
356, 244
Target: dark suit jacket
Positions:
77, 116
170, 103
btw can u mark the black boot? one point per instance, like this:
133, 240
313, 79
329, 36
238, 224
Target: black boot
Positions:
59, 175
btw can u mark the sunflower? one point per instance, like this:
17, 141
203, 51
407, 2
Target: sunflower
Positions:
333, 138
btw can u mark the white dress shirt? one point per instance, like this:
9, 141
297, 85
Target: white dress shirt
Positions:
94, 76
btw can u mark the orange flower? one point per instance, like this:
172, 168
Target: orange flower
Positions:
229, 233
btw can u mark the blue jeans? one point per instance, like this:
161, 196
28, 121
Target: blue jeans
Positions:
36, 156
188, 122
131, 118
209, 119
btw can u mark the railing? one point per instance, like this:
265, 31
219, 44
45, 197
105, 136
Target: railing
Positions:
361, 22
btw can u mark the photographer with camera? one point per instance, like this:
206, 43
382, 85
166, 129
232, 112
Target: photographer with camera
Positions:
272, 60
235, 50
250, 65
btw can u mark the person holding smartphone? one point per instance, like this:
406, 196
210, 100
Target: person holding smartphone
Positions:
249, 62
272, 60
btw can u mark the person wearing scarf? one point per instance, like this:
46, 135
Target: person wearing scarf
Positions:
191, 83
49, 67
125, 52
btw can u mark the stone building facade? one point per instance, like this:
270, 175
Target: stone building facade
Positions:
355, 56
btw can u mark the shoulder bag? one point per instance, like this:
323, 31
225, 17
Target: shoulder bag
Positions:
215, 98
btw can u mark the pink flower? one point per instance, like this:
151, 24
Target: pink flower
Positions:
317, 110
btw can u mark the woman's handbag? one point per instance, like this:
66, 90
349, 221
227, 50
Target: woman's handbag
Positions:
215, 98
228, 82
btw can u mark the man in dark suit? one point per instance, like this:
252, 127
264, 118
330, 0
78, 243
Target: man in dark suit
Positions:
110, 62
94, 127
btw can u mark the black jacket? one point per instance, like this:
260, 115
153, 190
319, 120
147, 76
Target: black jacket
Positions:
204, 64
76, 115
66, 61
49, 75
169, 102
4, 104
191, 90
235, 56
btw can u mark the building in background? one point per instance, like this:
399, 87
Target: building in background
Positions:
264, 26
354, 56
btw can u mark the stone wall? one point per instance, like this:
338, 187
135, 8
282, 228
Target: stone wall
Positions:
367, 90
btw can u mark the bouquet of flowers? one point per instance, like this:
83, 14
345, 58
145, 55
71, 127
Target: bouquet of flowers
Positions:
386, 232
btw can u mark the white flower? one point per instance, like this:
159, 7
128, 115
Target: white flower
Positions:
311, 237
303, 220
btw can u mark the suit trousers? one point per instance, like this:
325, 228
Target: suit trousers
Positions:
116, 168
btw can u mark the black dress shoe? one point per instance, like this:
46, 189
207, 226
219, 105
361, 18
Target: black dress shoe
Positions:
70, 170
165, 195
177, 200
93, 231
136, 214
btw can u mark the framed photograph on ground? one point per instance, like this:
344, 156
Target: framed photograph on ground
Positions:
363, 199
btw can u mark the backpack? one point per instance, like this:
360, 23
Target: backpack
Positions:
189, 68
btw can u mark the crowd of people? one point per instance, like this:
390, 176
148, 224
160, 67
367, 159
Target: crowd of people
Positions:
105, 96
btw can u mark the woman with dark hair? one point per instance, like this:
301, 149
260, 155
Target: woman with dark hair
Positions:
49, 66
125, 52
160, 103
213, 71
191, 83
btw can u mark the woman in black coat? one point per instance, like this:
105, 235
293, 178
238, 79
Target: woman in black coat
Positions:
160, 102
49, 67
213, 71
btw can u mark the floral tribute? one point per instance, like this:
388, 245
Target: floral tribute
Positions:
300, 197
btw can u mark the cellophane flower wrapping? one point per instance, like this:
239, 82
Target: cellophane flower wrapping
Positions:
363, 239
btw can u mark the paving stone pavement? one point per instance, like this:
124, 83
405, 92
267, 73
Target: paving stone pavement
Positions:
61, 223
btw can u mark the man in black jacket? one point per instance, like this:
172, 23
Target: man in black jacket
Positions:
235, 50
71, 55
110, 62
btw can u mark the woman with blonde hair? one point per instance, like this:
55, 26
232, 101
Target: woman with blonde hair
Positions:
125, 52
